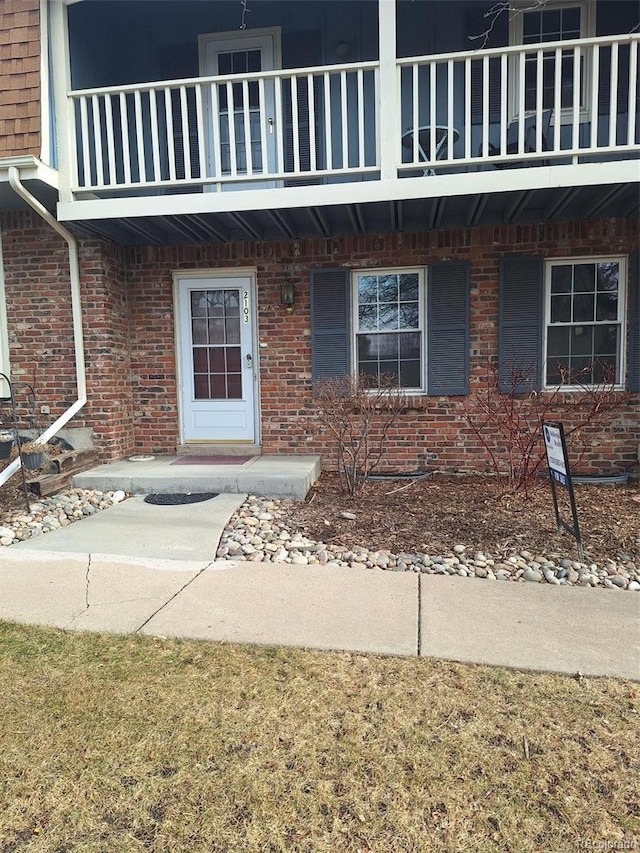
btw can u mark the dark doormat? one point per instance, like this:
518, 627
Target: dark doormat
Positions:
164, 499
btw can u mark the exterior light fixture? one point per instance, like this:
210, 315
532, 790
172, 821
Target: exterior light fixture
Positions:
288, 297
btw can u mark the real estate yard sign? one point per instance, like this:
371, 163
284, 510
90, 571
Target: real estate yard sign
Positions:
559, 472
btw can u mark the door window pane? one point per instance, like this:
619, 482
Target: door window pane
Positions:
201, 386
215, 329
234, 386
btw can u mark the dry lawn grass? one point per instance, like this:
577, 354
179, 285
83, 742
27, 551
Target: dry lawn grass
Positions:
113, 745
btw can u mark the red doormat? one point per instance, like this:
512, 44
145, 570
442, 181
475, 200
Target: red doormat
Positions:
211, 460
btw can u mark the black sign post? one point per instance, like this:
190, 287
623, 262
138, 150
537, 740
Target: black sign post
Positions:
559, 472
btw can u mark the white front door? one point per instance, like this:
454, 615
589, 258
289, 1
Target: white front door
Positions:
217, 359
242, 139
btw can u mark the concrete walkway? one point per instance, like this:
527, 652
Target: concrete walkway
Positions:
149, 569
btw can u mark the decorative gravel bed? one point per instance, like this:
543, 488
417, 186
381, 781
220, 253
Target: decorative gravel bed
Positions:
53, 512
258, 532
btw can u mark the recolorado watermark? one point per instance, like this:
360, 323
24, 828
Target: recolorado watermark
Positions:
600, 844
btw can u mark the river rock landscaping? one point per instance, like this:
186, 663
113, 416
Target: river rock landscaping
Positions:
463, 526
16, 524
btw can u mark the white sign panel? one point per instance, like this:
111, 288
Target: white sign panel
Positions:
555, 453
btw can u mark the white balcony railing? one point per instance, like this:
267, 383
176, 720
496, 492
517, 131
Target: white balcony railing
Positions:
558, 102
263, 128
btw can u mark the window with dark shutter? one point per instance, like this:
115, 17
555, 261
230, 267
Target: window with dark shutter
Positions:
448, 328
330, 328
584, 322
390, 328
520, 324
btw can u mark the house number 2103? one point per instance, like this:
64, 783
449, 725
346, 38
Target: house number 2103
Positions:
245, 306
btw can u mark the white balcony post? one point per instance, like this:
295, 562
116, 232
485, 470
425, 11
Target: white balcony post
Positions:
64, 119
387, 118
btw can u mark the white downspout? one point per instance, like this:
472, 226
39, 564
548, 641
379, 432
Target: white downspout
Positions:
76, 310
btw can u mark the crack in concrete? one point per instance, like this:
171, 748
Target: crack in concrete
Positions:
419, 643
175, 595
86, 597
87, 583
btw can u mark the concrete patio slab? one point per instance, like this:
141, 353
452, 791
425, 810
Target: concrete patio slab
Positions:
321, 607
530, 626
277, 476
134, 528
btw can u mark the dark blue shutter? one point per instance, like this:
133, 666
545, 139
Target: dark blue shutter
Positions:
520, 324
448, 328
329, 323
634, 322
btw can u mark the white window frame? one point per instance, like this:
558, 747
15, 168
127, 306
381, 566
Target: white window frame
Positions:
587, 30
5, 366
622, 260
422, 317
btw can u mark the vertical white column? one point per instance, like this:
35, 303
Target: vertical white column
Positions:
46, 154
64, 118
4, 332
387, 117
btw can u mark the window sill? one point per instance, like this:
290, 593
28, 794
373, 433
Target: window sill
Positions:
577, 389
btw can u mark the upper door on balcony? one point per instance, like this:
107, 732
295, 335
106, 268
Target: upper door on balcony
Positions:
239, 117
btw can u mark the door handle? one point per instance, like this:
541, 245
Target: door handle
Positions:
249, 359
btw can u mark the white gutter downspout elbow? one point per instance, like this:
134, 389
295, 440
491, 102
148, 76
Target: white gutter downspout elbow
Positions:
76, 310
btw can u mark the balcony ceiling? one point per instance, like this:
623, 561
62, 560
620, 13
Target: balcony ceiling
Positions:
375, 217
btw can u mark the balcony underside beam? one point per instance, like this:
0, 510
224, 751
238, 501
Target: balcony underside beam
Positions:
603, 202
319, 222
281, 223
561, 202
208, 229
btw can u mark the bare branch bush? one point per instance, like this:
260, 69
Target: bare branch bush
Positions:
358, 413
500, 8
508, 423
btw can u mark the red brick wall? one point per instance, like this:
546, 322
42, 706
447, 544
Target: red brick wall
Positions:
128, 320
434, 431
36, 267
107, 350
153, 368
19, 77
41, 348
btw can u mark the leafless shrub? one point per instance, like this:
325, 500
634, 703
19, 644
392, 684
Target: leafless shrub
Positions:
358, 413
508, 423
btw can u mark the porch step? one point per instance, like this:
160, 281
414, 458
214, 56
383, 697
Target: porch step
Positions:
276, 476
218, 450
